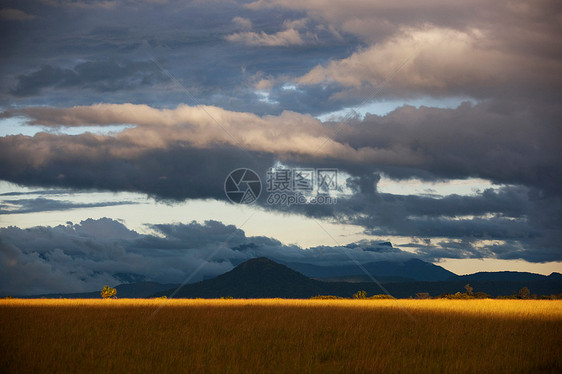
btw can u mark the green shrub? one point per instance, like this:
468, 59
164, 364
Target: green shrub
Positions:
457, 295
360, 295
108, 292
381, 296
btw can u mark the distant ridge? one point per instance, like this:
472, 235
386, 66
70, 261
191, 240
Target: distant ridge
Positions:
124, 291
264, 278
515, 276
409, 270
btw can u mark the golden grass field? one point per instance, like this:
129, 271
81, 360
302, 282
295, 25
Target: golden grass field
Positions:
281, 336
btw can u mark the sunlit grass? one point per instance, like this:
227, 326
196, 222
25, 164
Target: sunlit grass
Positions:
275, 335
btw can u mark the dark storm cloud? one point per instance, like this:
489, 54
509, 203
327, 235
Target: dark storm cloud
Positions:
522, 224
86, 256
15, 15
182, 154
504, 141
37, 192
498, 49
178, 173
40, 204
103, 48
268, 58
102, 76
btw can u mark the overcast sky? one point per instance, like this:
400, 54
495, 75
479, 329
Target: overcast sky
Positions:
121, 120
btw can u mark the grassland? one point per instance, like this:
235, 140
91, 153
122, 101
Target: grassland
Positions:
286, 336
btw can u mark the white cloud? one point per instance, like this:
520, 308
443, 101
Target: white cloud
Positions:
290, 36
435, 61
243, 23
282, 38
474, 48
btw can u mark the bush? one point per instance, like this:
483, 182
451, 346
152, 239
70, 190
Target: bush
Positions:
381, 296
457, 295
360, 295
422, 295
524, 293
108, 292
326, 297
482, 295
552, 297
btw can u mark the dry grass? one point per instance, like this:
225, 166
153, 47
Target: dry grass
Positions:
288, 336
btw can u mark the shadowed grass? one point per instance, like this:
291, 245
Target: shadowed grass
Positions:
288, 336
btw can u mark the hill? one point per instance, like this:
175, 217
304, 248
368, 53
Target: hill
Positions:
255, 278
264, 278
515, 276
124, 291
410, 270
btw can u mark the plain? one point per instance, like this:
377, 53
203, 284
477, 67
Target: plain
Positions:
281, 336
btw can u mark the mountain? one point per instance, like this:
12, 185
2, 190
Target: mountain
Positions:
515, 276
365, 278
264, 278
255, 278
410, 270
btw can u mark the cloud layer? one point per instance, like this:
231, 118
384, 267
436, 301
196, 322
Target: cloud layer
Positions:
85, 256
504, 141
187, 152
202, 92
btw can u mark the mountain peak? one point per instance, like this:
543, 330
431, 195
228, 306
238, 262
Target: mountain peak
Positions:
262, 268
259, 261
257, 277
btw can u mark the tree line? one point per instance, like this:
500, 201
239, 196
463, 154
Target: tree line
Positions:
524, 293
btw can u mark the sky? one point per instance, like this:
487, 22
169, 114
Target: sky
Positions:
434, 126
